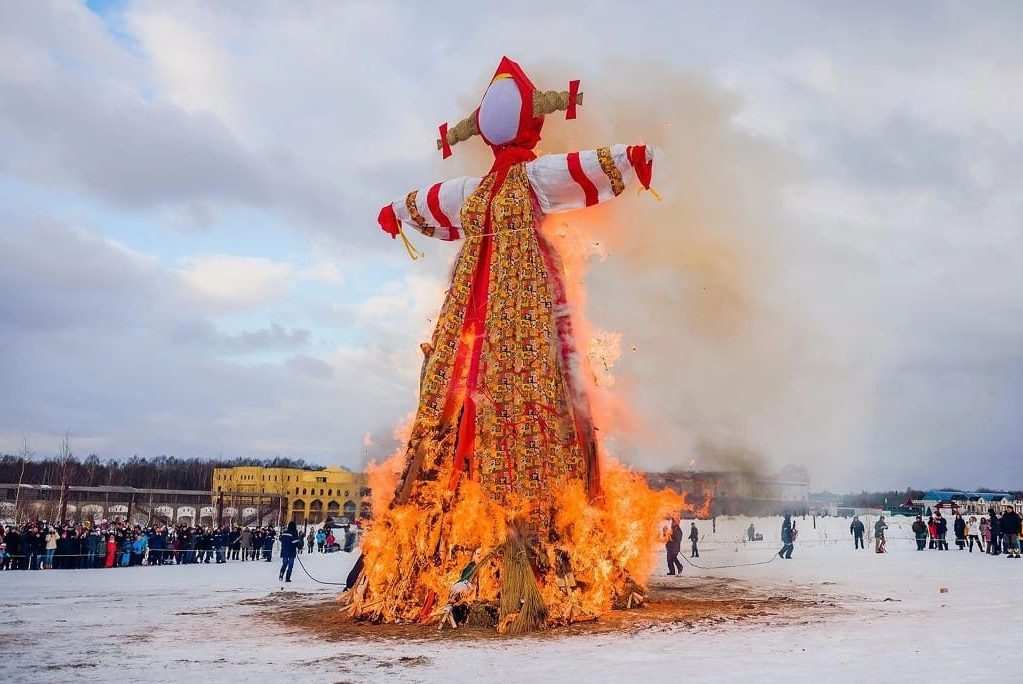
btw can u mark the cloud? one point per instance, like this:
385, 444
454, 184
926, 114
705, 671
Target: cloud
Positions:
236, 281
862, 295
108, 344
273, 338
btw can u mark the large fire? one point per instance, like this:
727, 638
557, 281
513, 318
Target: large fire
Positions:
595, 554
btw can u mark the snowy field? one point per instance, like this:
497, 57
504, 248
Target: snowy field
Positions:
889, 622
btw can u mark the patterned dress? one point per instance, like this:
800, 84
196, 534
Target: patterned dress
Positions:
501, 401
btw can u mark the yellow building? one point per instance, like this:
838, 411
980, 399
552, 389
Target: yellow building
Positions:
305, 496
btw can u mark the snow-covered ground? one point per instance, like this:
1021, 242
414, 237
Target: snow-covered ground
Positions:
208, 623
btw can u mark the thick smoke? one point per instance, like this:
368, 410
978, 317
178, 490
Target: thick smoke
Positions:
721, 366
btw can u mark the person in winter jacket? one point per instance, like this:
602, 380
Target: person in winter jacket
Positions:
219, 544
321, 539
51, 548
985, 532
91, 545
1010, 524
311, 540
291, 540
941, 526
673, 546
246, 543
138, 548
856, 528
111, 552
694, 537
995, 529
158, 546
788, 538
879, 541
12, 540
234, 543
268, 544
959, 530
972, 535
920, 532
126, 549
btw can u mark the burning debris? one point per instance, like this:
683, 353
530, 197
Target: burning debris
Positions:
500, 510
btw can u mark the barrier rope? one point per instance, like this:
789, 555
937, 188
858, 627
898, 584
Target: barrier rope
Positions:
302, 565
774, 556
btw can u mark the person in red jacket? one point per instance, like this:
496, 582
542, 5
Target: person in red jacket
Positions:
111, 551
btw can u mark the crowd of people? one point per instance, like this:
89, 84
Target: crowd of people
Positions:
993, 534
40, 545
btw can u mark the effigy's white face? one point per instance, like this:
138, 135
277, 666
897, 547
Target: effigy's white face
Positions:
499, 111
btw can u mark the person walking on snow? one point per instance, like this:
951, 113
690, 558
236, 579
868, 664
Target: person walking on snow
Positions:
788, 536
857, 529
694, 537
879, 541
673, 546
290, 541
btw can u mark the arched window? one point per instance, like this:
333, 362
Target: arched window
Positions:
350, 509
333, 507
321, 491
303, 491
330, 492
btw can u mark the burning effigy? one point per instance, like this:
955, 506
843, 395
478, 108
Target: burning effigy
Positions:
503, 510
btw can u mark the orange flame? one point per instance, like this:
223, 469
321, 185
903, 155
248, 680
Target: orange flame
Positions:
416, 550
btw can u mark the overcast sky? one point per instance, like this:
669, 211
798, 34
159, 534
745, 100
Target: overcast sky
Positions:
188, 194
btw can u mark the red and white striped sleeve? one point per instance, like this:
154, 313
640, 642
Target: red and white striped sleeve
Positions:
563, 182
436, 212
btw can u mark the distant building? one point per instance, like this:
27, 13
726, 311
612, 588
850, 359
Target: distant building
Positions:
305, 496
737, 493
966, 503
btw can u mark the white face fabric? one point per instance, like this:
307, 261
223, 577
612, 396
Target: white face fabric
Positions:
499, 112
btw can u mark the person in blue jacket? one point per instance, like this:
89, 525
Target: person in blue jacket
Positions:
138, 549
787, 537
126, 547
290, 541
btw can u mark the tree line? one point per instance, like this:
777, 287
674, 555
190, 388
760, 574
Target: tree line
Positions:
886, 499
160, 472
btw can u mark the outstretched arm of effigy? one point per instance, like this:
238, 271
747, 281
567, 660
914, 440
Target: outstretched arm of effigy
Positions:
434, 212
563, 182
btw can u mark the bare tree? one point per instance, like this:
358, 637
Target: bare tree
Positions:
23, 455
65, 468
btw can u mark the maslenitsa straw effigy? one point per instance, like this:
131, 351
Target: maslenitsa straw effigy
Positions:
505, 512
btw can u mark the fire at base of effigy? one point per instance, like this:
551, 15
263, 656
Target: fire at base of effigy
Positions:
504, 513
453, 558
